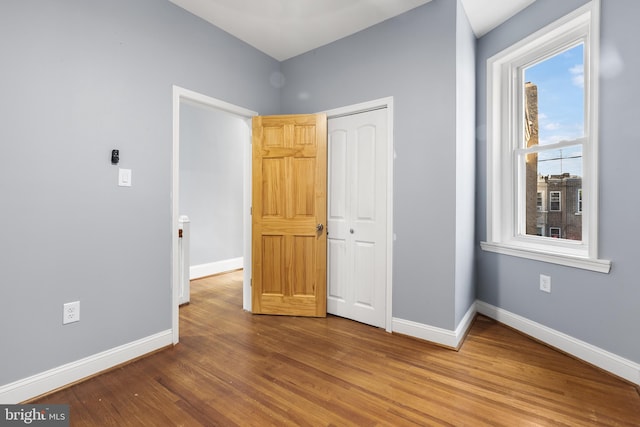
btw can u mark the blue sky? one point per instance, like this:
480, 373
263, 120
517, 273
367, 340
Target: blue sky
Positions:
560, 81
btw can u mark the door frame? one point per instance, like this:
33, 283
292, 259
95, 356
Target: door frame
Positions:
185, 95
181, 95
363, 107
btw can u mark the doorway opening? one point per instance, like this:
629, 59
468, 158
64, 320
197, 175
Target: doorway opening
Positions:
182, 98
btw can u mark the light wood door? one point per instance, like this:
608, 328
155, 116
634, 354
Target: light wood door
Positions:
357, 219
289, 244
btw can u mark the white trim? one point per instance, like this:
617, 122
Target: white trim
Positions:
44, 382
591, 163
211, 268
444, 337
596, 356
246, 220
359, 108
598, 265
184, 95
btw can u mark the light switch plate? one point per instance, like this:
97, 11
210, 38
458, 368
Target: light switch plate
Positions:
124, 177
545, 283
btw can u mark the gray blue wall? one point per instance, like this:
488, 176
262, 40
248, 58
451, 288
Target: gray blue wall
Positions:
79, 78
465, 294
211, 181
600, 309
411, 57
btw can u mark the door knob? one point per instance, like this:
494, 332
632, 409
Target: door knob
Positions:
319, 227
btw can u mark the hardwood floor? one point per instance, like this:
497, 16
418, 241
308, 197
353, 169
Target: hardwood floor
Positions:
235, 368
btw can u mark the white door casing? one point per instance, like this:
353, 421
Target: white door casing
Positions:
357, 217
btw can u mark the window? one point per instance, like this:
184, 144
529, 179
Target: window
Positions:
542, 140
554, 201
579, 210
539, 205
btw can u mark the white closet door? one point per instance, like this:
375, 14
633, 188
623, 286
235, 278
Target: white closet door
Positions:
356, 217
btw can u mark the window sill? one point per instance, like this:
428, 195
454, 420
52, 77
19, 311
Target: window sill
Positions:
598, 265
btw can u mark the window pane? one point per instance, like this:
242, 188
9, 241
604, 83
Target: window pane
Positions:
567, 160
579, 210
554, 112
557, 205
539, 202
555, 90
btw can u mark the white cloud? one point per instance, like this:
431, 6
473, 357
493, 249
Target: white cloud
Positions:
577, 75
554, 138
544, 123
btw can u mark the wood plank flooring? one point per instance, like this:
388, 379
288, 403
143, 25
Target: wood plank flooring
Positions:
234, 368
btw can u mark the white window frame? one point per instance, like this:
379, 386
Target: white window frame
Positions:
551, 193
551, 233
504, 112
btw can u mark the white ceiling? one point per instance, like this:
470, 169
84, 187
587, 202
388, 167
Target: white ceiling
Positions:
485, 15
285, 28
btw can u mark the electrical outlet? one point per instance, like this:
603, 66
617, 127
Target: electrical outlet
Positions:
71, 312
545, 283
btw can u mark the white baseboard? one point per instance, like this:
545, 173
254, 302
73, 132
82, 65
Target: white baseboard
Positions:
204, 270
596, 356
444, 337
47, 381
